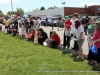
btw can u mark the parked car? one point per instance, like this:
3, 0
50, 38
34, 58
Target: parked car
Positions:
43, 22
53, 21
97, 19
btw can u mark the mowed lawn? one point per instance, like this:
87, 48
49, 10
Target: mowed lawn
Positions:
21, 57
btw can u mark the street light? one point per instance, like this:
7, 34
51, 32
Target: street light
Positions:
12, 7
63, 3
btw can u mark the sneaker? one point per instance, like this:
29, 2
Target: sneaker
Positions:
76, 49
63, 47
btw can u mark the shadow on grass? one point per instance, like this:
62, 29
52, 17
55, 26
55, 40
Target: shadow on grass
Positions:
94, 67
73, 53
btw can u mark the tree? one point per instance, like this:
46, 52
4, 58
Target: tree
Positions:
1, 13
37, 9
42, 8
86, 6
10, 13
52, 7
19, 10
55, 7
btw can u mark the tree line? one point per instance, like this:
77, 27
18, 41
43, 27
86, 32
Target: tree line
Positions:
9, 13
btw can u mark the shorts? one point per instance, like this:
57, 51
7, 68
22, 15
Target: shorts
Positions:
80, 43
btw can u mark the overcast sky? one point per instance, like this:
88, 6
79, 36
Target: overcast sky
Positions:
29, 5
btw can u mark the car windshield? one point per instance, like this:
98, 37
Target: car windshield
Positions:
55, 18
49, 18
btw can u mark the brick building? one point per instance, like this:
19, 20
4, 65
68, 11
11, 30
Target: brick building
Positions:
91, 10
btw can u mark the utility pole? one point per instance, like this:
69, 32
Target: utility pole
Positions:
12, 7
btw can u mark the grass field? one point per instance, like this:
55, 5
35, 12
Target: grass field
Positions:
21, 57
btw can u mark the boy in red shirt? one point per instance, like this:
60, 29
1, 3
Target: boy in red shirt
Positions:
67, 32
31, 35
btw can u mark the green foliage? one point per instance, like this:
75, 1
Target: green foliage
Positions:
19, 10
37, 9
1, 13
10, 13
16, 12
52, 7
86, 6
42, 8
21, 57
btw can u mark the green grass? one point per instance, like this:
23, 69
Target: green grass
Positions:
21, 57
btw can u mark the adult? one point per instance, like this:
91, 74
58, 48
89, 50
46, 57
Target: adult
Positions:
46, 21
52, 23
21, 21
60, 23
42, 36
6, 23
15, 28
38, 24
80, 37
87, 19
27, 25
86, 24
73, 19
96, 42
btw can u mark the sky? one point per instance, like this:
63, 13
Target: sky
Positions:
29, 5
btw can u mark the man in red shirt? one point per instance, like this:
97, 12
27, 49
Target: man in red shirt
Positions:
67, 32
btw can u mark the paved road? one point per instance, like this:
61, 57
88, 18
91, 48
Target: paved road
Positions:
61, 32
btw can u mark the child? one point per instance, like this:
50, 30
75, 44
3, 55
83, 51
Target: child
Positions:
54, 40
23, 31
91, 29
10, 28
31, 35
67, 32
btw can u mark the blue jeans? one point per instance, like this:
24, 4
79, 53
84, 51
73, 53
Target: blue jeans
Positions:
59, 24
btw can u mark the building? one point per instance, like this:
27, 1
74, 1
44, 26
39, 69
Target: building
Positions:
49, 12
91, 10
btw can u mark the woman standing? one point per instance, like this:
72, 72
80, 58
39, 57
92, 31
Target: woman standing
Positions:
60, 23
15, 28
96, 42
27, 25
80, 37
